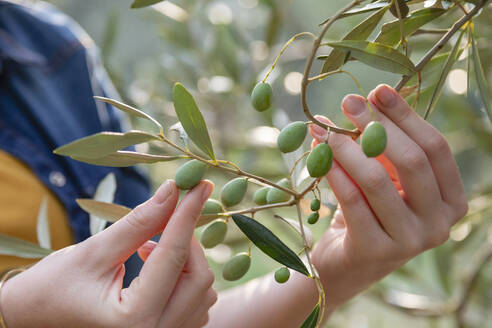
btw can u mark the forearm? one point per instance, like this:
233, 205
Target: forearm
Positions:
265, 303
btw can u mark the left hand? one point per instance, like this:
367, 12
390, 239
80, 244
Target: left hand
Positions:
391, 208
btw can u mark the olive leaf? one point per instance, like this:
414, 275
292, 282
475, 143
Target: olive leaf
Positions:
178, 127
377, 55
131, 110
123, 158
448, 65
144, 3
105, 211
483, 86
43, 225
390, 32
192, 120
21, 248
296, 226
362, 31
104, 193
269, 244
104, 143
367, 8
312, 319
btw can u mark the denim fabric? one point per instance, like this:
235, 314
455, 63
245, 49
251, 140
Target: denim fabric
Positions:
49, 73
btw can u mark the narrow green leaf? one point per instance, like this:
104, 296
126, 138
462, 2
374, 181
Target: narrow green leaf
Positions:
104, 193
377, 55
192, 120
448, 65
43, 225
17, 247
131, 110
144, 3
361, 32
367, 8
105, 211
123, 158
390, 32
483, 86
103, 143
312, 319
267, 242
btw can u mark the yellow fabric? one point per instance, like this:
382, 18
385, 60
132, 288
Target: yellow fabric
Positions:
21, 194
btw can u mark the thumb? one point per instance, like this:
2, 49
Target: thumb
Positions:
123, 238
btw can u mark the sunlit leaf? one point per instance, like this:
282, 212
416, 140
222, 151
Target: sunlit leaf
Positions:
131, 110
312, 319
17, 247
367, 8
106, 211
267, 242
144, 3
178, 127
192, 120
483, 86
377, 55
104, 193
390, 32
448, 65
123, 158
361, 32
43, 225
103, 143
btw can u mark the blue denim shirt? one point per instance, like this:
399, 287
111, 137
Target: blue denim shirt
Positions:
49, 73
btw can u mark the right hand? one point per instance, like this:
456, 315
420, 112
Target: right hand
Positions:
81, 285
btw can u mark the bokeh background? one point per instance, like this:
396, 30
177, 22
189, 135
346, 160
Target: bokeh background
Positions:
219, 49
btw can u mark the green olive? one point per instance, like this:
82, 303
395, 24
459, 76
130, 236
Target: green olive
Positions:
403, 9
190, 174
261, 96
212, 206
313, 218
282, 275
275, 195
319, 160
236, 267
260, 196
291, 137
373, 140
214, 234
233, 192
315, 205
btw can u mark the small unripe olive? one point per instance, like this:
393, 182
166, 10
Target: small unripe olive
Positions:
260, 196
291, 137
319, 160
275, 195
282, 275
403, 8
214, 234
315, 205
261, 96
212, 206
190, 174
373, 140
236, 267
313, 218
233, 192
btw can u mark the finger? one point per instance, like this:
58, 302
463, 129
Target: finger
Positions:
164, 265
191, 289
124, 237
145, 250
376, 185
428, 138
412, 165
199, 317
361, 223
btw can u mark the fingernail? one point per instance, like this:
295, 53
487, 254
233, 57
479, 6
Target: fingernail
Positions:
164, 191
318, 132
386, 96
353, 105
206, 190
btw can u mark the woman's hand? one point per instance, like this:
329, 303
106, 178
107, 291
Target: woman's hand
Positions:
391, 208
81, 286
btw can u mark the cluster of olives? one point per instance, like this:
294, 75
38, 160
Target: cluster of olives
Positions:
314, 216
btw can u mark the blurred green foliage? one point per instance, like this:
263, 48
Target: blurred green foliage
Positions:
219, 49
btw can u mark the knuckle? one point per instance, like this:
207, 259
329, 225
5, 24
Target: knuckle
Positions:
413, 159
213, 298
351, 197
205, 280
461, 207
176, 255
137, 218
402, 114
375, 178
436, 144
204, 320
439, 237
337, 142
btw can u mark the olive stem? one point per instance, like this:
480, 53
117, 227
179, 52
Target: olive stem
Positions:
297, 162
250, 210
292, 39
403, 40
